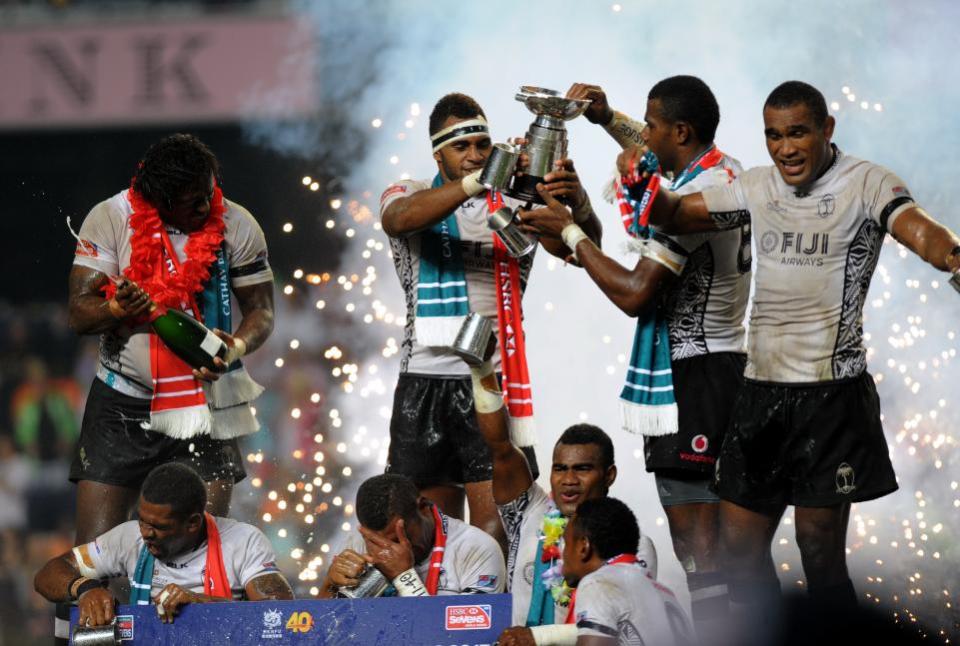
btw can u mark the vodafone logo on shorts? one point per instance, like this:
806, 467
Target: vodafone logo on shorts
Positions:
468, 617
699, 443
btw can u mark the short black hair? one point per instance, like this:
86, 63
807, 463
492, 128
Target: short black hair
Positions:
382, 497
456, 105
609, 525
173, 166
177, 485
590, 434
790, 93
687, 98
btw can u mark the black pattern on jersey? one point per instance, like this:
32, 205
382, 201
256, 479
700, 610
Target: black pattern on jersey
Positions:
512, 514
400, 247
629, 635
849, 355
730, 219
686, 305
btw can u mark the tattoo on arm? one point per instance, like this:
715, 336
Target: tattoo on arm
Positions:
269, 586
730, 219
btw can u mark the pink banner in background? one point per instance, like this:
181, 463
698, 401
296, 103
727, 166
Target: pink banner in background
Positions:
209, 69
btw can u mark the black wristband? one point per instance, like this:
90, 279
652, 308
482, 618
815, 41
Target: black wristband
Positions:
89, 585
955, 251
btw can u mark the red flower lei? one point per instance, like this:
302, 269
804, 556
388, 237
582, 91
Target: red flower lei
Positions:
146, 267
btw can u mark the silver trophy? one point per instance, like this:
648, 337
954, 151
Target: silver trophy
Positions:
546, 144
473, 338
372, 584
955, 281
108, 635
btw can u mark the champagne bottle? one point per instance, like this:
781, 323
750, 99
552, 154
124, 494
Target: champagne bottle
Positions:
187, 337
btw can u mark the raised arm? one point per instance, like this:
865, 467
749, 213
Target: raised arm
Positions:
423, 209
625, 130
511, 473
564, 184
927, 238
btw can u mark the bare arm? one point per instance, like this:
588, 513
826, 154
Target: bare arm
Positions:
511, 473
595, 640
267, 587
624, 130
423, 209
256, 308
927, 238
60, 579
632, 290
54, 578
90, 313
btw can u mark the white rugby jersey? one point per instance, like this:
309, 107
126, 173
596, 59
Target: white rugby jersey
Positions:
476, 248
522, 519
621, 602
817, 252
472, 561
247, 554
706, 307
105, 246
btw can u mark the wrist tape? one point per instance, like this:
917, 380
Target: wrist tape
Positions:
471, 184
555, 634
408, 584
485, 401
572, 235
624, 130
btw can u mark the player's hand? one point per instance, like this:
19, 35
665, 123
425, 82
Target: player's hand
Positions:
516, 636
548, 221
236, 348
130, 301
171, 598
346, 569
393, 558
629, 159
96, 607
523, 162
953, 260
599, 111
564, 184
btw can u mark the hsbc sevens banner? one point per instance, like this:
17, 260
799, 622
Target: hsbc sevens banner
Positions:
220, 68
469, 620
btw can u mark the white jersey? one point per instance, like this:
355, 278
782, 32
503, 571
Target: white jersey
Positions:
705, 310
476, 248
105, 246
817, 252
522, 519
621, 602
472, 561
247, 554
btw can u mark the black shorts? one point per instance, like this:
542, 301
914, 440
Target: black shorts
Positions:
810, 445
434, 436
114, 449
705, 387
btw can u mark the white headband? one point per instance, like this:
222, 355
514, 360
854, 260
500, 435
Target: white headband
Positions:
459, 130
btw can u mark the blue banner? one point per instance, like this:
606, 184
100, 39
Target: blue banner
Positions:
468, 620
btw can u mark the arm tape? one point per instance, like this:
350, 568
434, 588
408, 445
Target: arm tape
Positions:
408, 584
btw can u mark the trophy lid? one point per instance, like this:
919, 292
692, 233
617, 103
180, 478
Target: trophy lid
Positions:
551, 103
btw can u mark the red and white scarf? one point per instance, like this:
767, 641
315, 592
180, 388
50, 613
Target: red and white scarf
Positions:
178, 408
513, 350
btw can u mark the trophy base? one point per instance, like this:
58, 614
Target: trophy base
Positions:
525, 188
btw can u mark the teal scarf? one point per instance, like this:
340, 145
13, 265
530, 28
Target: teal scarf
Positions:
647, 402
142, 579
442, 301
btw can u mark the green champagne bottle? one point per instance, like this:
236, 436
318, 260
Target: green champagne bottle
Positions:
187, 337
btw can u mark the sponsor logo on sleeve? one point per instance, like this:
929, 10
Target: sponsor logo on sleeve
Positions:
901, 191
393, 190
476, 617
487, 581
125, 627
87, 249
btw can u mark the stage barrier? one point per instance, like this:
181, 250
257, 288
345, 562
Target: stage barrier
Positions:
468, 620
